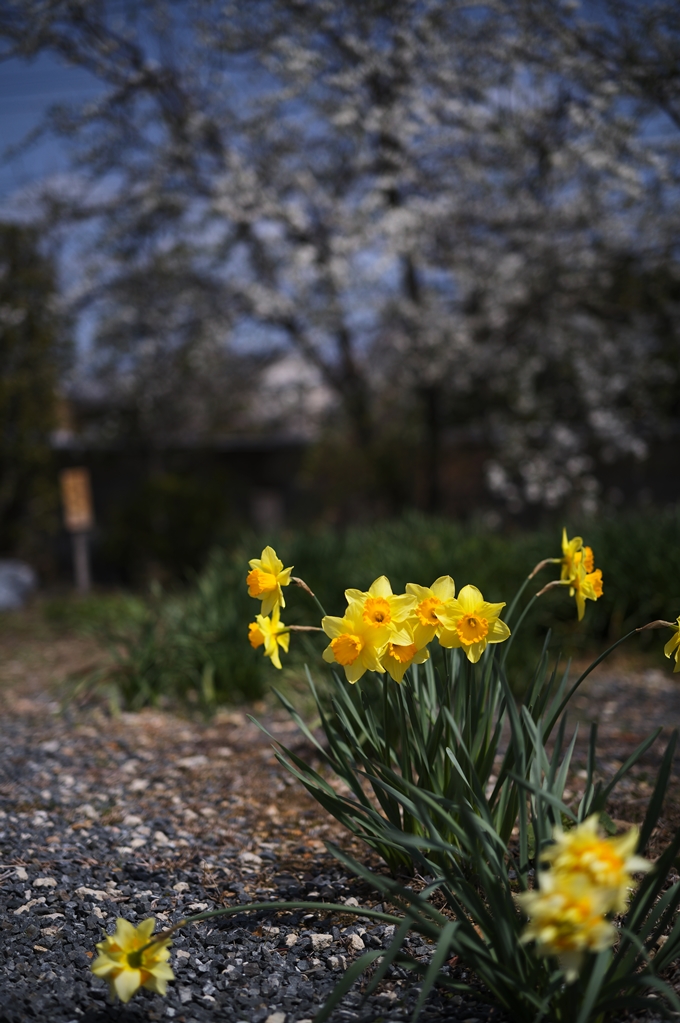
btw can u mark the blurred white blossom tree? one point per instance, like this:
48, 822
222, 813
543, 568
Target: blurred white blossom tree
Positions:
455, 215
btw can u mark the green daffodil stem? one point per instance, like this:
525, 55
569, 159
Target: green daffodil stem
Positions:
552, 584
303, 586
520, 591
255, 907
541, 565
302, 628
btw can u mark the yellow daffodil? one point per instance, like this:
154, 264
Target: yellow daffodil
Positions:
566, 919
126, 967
431, 602
673, 644
471, 622
606, 863
400, 656
265, 579
571, 555
270, 632
585, 586
356, 642
381, 608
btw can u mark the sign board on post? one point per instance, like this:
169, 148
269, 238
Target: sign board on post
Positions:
76, 496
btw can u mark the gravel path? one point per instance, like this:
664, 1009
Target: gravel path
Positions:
146, 815
150, 814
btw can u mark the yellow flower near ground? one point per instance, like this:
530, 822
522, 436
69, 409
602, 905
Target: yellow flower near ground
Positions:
126, 967
471, 622
379, 607
356, 643
265, 579
566, 919
606, 863
270, 632
673, 645
585, 586
431, 603
398, 657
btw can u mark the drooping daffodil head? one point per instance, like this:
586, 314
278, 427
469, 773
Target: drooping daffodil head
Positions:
398, 657
672, 647
127, 964
571, 555
271, 633
431, 603
356, 643
265, 579
585, 586
471, 623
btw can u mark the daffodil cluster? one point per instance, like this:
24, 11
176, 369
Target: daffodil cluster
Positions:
579, 573
386, 632
265, 580
589, 878
380, 630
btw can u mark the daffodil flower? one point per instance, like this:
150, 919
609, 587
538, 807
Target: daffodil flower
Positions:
471, 622
356, 642
585, 586
566, 919
270, 633
127, 964
431, 603
398, 657
381, 608
672, 645
265, 579
606, 863
571, 555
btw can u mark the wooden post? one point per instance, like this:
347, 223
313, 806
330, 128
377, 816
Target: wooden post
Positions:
76, 495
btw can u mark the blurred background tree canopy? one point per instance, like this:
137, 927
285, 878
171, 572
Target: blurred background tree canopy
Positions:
32, 355
432, 217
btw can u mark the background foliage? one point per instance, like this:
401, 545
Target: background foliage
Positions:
32, 354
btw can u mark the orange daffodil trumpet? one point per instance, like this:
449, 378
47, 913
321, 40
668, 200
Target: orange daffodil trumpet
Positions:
590, 877
265, 579
128, 960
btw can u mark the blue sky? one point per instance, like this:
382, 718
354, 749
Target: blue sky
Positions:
26, 92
